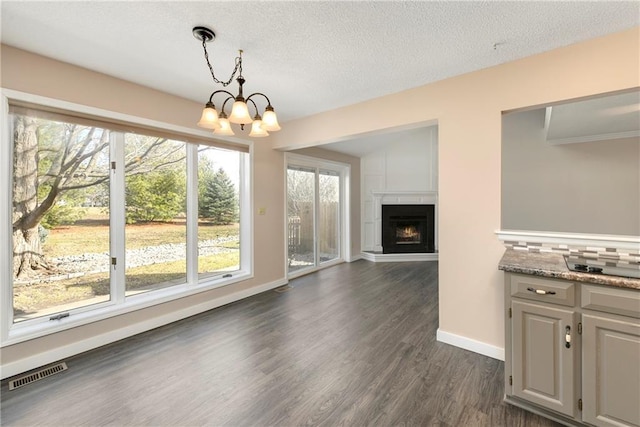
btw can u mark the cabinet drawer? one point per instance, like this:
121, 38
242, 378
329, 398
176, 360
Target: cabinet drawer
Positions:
611, 300
547, 290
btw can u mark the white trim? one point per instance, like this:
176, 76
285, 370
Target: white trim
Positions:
247, 242
345, 214
426, 197
50, 356
355, 258
401, 198
592, 138
6, 232
578, 239
39, 327
192, 215
377, 257
117, 222
470, 344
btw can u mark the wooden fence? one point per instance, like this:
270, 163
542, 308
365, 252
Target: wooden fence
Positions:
300, 228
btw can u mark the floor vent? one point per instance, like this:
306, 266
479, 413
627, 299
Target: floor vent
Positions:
42, 373
282, 289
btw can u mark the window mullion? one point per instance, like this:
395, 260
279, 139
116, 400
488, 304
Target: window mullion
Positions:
117, 218
316, 216
245, 197
6, 251
192, 214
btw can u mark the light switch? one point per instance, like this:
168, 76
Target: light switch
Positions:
262, 211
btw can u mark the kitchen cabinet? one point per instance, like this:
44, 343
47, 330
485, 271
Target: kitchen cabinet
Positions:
543, 367
572, 350
611, 357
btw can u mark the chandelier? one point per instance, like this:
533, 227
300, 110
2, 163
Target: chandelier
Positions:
218, 120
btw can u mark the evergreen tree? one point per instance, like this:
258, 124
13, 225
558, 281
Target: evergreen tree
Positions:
155, 196
217, 200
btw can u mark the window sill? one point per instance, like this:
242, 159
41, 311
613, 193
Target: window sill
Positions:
31, 329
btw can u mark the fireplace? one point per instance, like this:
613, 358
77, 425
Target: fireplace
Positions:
408, 229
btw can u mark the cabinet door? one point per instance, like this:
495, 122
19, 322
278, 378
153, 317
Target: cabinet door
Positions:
543, 366
611, 371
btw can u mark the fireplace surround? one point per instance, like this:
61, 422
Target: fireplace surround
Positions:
408, 229
372, 224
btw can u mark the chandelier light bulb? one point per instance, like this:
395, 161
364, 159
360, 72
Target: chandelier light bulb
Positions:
270, 120
240, 113
225, 126
209, 119
256, 128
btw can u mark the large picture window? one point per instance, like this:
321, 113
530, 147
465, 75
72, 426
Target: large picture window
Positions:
106, 217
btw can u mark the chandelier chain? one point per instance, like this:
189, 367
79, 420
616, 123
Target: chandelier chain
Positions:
215, 79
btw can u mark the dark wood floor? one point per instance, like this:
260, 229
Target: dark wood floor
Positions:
350, 345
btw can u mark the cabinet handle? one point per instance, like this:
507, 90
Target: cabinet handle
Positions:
567, 337
541, 291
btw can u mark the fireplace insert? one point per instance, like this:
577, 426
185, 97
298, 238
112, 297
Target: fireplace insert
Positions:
408, 229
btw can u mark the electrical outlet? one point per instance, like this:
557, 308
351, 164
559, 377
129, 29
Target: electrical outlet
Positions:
262, 211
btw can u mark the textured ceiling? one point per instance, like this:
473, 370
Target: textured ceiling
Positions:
306, 56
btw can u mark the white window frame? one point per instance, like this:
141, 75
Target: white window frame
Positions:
344, 170
13, 333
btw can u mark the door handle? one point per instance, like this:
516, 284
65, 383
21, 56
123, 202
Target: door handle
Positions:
541, 291
567, 337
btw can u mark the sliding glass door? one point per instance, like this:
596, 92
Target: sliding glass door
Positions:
301, 217
328, 215
315, 212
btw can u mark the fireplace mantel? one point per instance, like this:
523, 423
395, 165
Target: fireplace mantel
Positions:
405, 197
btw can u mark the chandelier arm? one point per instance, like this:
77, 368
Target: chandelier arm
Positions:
220, 91
215, 79
225, 101
254, 104
260, 94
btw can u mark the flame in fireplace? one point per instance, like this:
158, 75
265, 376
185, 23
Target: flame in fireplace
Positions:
407, 233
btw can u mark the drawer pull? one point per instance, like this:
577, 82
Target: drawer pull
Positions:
541, 291
567, 337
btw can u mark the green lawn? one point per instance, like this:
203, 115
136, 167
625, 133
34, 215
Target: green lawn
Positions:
91, 235
38, 296
79, 239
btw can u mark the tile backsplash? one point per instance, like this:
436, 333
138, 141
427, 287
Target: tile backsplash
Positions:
575, 245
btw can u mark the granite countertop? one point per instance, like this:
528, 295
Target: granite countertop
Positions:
546, 264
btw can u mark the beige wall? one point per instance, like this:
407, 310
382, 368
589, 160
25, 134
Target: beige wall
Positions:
587, 187
34, 74
468, 110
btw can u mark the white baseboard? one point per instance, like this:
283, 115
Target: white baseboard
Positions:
470, 344
50, 356
377, 257
355, 258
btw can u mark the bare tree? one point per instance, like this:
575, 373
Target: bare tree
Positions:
54, 158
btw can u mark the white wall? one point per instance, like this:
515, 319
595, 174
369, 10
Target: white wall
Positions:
407, 165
